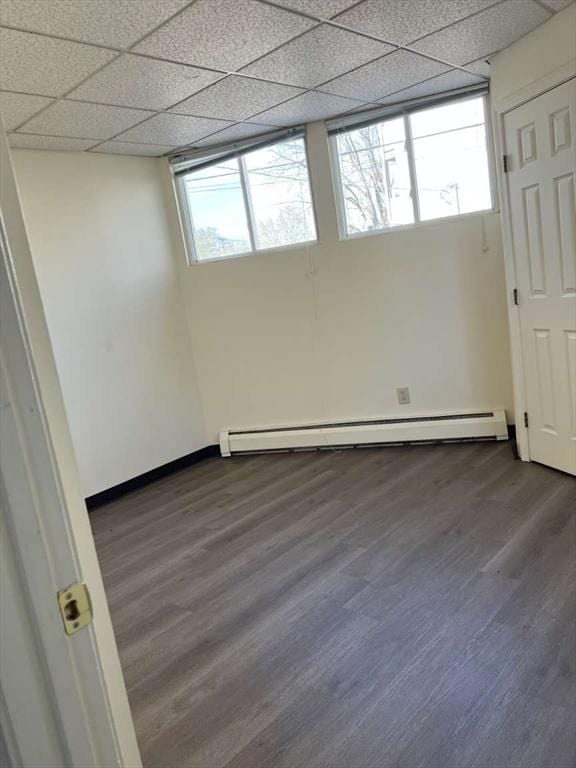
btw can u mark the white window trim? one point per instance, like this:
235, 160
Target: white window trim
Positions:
187, 219
418, 222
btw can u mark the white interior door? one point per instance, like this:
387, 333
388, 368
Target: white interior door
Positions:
540, 149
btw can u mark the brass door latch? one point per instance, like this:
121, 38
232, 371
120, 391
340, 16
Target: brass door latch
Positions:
75, 607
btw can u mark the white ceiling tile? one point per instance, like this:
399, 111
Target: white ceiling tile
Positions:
224, 34
319, 55
235, 98
480, 67
485, 33
83, 121
320, 9
45, 66
18, 107
29, 141
172, 129
447, 82
389, 74
311, 106
234, 133
134, 81
117, 23
401, 21
129, 148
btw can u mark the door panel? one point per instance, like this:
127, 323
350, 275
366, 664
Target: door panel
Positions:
539, 139
565, 207
570, 339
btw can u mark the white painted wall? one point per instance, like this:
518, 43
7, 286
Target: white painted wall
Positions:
103, 254
330, 331
540, 60
325, 332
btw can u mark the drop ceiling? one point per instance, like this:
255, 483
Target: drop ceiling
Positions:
147, 77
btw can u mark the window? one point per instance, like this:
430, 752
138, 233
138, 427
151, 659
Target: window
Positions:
429, 164
256, 200
216, 204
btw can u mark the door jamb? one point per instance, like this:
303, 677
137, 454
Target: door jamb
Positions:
518, 378
47, 519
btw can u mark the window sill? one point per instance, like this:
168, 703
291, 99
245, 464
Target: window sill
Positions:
417, 224
263, 252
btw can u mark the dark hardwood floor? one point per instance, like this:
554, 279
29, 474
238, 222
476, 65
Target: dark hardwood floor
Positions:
404, 607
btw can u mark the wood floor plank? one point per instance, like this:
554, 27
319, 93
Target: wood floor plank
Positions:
404, 607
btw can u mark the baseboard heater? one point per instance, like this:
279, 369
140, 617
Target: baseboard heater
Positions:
445, 427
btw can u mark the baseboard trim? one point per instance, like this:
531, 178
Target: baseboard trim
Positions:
512, 437
110, 494
209, 452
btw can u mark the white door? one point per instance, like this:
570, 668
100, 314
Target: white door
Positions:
63, 703
541, 157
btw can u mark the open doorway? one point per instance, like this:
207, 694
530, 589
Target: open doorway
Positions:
261, 334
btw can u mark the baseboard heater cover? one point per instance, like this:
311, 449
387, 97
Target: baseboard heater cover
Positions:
482, 425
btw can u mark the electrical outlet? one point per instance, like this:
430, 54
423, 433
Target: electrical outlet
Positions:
403, 395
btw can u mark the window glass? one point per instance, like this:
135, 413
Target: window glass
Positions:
256, 200
452, 173
375, 177
277, 181
216, 205
449, 117
442, 151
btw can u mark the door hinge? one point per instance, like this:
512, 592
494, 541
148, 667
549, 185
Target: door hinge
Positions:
515, 296
75, 607
505, 163
525, 419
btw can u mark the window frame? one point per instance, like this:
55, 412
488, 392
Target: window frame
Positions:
418, 221
187, 219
